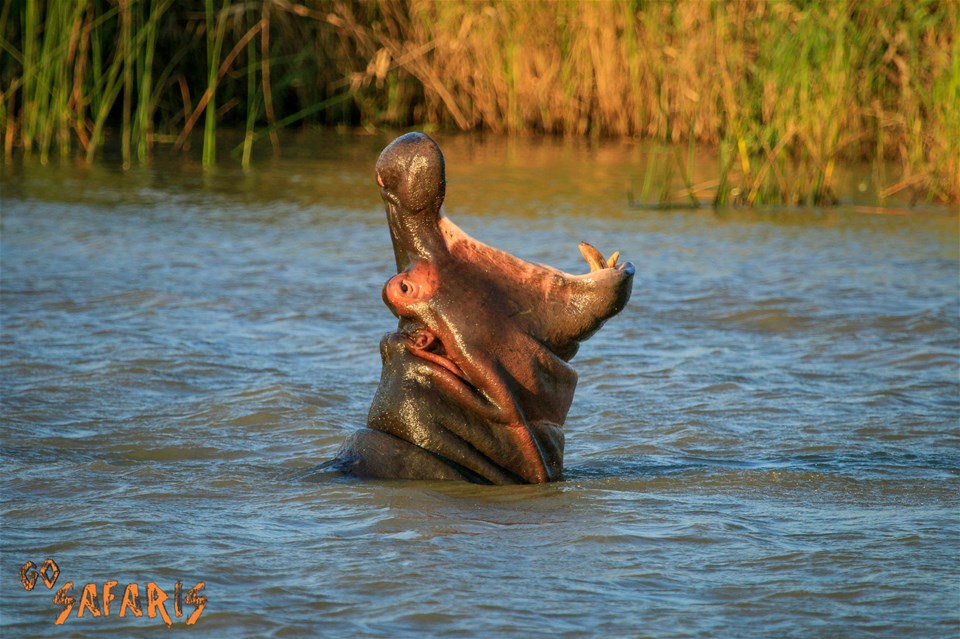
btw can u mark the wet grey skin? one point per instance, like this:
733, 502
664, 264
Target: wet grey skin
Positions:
476, 383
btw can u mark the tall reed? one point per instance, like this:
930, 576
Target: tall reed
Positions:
216, 29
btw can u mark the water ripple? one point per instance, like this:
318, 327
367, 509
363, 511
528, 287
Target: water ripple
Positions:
764, 443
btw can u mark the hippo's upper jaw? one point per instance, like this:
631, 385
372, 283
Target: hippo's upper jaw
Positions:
475, 381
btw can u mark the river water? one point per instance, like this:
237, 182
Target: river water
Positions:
763, 444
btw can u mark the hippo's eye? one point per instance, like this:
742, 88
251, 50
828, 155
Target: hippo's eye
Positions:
404, 287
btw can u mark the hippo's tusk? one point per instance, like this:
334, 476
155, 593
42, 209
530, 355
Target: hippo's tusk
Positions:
595, 258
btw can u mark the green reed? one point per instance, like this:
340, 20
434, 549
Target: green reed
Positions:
782, 90
216, 30
142, 130
252, 100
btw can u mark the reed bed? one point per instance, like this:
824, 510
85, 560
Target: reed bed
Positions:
783, 90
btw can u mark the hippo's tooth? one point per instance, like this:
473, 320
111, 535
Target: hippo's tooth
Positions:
612, 260
593, 256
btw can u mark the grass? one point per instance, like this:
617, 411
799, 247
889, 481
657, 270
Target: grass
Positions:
784, 90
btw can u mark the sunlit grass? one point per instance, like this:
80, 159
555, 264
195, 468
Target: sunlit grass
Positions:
782, 91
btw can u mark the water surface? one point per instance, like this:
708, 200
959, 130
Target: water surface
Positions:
763, 444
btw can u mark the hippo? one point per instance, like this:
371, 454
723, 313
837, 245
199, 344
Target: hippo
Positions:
475, 384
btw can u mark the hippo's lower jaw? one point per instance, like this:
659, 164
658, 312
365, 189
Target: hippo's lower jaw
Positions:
475, 382
373, 454
429, 421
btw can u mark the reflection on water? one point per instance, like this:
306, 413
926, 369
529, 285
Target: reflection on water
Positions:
765, 443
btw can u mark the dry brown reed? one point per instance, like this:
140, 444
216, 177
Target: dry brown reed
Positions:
785, 91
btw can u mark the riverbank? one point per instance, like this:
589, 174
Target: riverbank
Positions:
783, 93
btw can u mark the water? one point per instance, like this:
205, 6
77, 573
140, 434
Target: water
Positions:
763, 444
